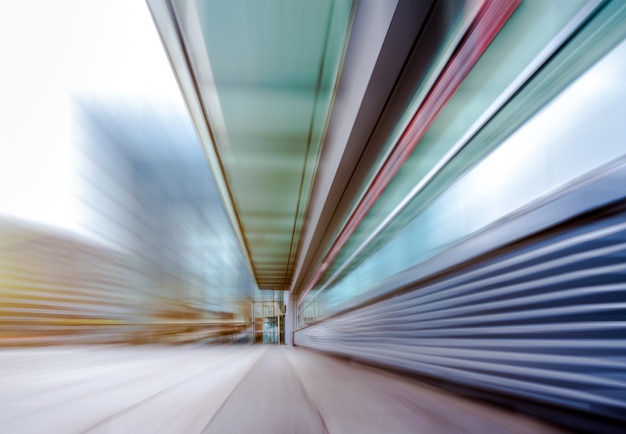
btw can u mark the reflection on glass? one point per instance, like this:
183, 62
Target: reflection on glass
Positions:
572, 135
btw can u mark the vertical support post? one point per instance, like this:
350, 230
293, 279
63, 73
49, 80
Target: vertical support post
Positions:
253, 315
290, 309
278, 318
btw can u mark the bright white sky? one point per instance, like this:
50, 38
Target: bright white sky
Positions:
50, 51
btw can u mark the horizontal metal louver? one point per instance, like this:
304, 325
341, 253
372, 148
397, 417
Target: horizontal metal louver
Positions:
542, 319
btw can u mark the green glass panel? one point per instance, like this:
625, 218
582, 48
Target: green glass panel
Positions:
275, 66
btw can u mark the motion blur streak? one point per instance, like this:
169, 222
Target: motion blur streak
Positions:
312, 216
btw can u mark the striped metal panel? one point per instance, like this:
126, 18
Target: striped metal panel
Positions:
542, 319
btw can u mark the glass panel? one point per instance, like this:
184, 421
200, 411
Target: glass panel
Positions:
512, 50
551, 149
269, 318
269, 118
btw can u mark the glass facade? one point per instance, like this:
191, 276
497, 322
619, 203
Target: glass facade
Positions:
269, 317
430, 206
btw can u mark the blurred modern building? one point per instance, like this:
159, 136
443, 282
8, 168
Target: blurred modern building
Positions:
60, 288
157, 257
148, 191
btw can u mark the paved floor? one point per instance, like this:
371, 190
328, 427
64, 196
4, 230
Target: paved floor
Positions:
236, 389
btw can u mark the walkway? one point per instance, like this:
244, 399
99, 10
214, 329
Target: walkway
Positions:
236, 389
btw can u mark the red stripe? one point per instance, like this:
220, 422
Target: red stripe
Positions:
492, 15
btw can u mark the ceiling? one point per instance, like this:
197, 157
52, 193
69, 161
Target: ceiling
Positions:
285, 95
